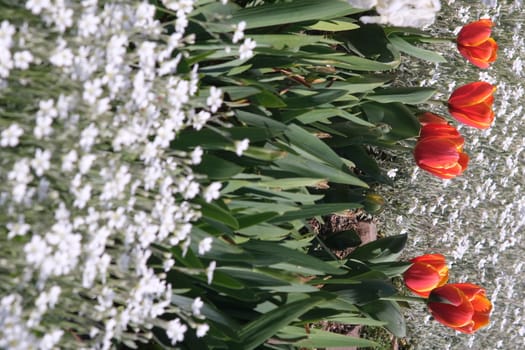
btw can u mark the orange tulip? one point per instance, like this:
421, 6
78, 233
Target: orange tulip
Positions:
439, 149
471, 104
476, 45
427, 272
461, 306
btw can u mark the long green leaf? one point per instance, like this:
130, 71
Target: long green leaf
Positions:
324, 339
313, 145
311, 168
291, 12
259, 330
308, 211
404, 46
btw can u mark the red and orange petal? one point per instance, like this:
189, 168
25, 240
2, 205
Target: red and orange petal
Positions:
471, 94
431, 118
479, 116
475, 33
422, 278
442, 130
454, 310
440, 157
481, 55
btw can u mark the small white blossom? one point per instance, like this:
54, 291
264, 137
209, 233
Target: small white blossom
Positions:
36, 6
199, 119
41, 162
210, 270
50, 340
205, 245
246, 49
196, 155
214, 101
7, 30
43, 127
10, 136
22, 59
36, 250
241, 146
17, 229
196, 306
239, 31
212, 192
86, 162
88, 136
92, 91
88, 24
175, 331
202, 329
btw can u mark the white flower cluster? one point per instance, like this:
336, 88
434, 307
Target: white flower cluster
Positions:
90, 190
401, 13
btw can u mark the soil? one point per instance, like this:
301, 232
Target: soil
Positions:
366, 228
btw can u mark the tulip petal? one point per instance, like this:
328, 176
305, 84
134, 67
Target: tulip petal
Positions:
475, 33
421, 279
471, 94
431, 118
455, 311
442, 130
479, 116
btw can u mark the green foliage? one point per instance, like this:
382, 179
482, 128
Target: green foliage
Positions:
316, 95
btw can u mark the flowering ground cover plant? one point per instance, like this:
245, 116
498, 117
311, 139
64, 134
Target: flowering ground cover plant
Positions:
161, 160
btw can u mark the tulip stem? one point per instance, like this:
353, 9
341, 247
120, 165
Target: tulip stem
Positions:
405, 298
436, 102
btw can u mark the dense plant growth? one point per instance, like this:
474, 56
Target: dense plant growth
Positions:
161, 162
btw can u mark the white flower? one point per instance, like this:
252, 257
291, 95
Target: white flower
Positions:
196, 155
69, 160
199, 119
212, 192
241, 146
205, 245
88, 24
246, 49
92, 90
239, 31
43, 126
214, 101
86, 162
17, 229
7, 31
392, 173
41, 162
63, 18
49, 341
11, 135
362, 4
210, 270
36, 250
62, 57
21, 171
88, 136
202, 329
82, 196
196, 306
36, 6
175, 331
405, 13
22, 59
